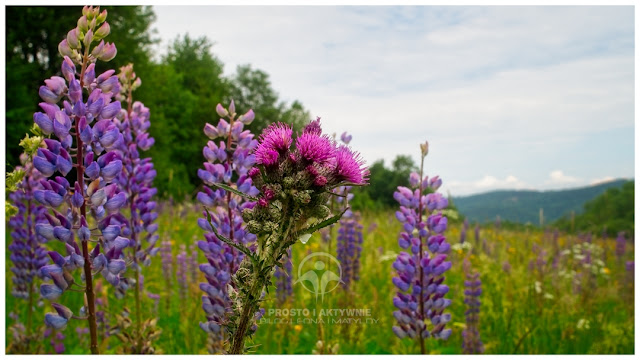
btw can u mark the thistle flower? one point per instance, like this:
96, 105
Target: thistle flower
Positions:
471, 343
420, 280
86, 137
349, 247
283, 276
294, 186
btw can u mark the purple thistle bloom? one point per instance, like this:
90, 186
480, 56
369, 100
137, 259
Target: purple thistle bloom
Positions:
283, 276
471, 343
315, 148
349, 166
420, 280
274, 141
349, 247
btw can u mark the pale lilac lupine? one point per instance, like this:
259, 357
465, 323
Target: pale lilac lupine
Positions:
86, 138
420, 280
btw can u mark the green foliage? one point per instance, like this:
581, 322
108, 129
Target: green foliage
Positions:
383, 182
611, 212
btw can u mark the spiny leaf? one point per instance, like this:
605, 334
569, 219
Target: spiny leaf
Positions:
313, 228
227, 241
235, 191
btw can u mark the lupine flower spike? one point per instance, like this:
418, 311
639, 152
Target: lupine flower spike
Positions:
84, 137
420, 278
136, 182
471, 343
228, 156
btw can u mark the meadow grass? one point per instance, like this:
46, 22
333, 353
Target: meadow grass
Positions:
523, 311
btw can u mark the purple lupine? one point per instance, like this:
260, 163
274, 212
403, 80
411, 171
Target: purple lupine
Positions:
471, 343
136, 179
181, 273
85, 137
420, 281
56, 340
349, 247
166, 256
27, 253
506, 267
621, 243
227, 161
193, 264
476, 233
284, 276
463, 231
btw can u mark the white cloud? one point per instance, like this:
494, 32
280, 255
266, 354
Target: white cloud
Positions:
491, 88
557, 177
602, 180
486, 183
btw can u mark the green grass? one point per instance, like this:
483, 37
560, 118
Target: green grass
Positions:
517, 317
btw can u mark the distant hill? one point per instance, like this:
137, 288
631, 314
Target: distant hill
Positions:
523, 206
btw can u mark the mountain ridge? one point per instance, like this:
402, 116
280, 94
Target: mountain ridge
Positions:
523, 206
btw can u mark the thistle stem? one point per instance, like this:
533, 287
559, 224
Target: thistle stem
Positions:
249, 307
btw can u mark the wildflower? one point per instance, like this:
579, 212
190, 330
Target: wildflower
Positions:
300, 197
471, 343
420, 300
86, 137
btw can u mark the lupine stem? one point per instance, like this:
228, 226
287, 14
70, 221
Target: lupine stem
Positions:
138, 319
29, 314
93, 330
422, 315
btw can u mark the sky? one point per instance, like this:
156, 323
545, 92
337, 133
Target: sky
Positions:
516, 97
